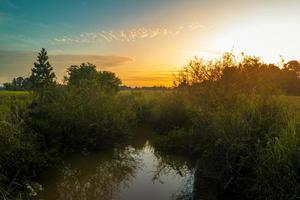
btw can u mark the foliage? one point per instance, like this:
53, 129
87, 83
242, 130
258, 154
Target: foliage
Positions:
13, 99
277, 169
86, 75
244, 74
169, 112
71, 118
19, 158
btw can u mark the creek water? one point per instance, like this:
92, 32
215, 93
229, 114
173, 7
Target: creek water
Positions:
132, 171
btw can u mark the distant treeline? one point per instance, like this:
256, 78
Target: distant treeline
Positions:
18, 84
151, 88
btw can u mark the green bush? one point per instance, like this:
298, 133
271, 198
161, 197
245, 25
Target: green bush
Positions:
71, 118
19, 159
142, 103
170, 111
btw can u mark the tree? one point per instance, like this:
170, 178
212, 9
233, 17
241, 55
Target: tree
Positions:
8, 86
42, 75
109, 81
86, 75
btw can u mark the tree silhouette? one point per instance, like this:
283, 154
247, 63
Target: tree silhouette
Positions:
42, 74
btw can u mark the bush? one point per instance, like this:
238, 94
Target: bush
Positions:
19, 159
72, 118
141, 104
170, 111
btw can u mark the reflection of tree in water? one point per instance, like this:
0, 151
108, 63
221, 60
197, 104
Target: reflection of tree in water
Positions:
104, 182
175, 164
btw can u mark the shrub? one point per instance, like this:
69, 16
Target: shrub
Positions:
72, 118
169, 111
19, 159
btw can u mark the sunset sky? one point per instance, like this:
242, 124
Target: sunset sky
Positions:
143, 41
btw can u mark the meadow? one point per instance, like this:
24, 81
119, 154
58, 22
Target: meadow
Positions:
8, 97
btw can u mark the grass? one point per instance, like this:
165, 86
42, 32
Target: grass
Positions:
9, 97
295, 100
13, 93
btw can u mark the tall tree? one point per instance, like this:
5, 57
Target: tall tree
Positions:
42, 74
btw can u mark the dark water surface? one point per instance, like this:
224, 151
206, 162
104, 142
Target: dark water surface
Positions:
135, 171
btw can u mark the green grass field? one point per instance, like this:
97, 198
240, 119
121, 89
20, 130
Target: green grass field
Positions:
13, 93
7, 98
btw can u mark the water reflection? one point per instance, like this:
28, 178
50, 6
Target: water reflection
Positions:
168, 164
133, 171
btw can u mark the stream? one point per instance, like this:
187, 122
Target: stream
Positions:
132, 171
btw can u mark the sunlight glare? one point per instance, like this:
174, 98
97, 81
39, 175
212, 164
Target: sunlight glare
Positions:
268, 38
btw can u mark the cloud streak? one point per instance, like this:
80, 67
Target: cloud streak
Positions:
130, 35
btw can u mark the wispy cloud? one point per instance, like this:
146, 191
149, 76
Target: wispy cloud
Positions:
126, 35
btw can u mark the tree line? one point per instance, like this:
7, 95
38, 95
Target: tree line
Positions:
252, 72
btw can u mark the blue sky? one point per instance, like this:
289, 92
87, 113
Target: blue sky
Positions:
143, 41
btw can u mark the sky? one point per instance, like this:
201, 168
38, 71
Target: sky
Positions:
143, 41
